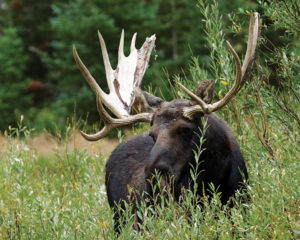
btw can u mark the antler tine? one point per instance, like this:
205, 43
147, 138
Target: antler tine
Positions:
242, 73
202, 104
209, 108
132, 45
111, 123
236, 86
254, 33
88, 77
107, 123
121, 47
107, 65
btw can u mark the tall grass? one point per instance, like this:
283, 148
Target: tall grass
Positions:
63, 196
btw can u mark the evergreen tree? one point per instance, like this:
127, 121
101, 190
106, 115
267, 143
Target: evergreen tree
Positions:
13, 61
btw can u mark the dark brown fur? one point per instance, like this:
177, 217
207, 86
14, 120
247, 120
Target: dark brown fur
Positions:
168, 148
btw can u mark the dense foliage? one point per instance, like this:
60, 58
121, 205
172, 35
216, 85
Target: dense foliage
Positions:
37, 38
63, 196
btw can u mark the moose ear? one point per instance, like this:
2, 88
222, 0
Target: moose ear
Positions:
149, 102
205, 90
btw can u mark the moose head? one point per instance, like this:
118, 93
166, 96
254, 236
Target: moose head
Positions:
169, 145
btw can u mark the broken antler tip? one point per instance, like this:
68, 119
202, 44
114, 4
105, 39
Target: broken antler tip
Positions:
153, 37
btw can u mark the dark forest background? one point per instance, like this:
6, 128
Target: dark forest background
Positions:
39, 79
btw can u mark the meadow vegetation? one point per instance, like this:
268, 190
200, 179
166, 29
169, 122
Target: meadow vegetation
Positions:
62, 195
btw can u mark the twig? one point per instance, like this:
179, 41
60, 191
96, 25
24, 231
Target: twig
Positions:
284, 108
262, 138
265, 138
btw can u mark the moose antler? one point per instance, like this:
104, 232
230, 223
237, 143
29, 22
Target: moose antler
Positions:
127, 77
242, 73
111, 123
121, 83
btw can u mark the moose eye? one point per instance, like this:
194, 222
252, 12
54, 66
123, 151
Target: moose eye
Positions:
185, 131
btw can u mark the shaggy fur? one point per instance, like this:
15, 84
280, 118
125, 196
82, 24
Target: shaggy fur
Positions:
168, 148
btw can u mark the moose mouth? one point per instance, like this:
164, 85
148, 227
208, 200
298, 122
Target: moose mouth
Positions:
165, 181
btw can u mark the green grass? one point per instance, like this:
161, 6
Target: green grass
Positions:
63, 196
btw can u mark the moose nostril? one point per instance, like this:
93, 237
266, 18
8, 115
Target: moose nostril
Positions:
163, 168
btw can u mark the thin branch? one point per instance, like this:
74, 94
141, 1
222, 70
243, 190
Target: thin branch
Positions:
262, 138
262, 111
286, 110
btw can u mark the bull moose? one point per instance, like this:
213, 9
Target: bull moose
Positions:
175, 126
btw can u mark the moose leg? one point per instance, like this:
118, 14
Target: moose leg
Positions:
236, 182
